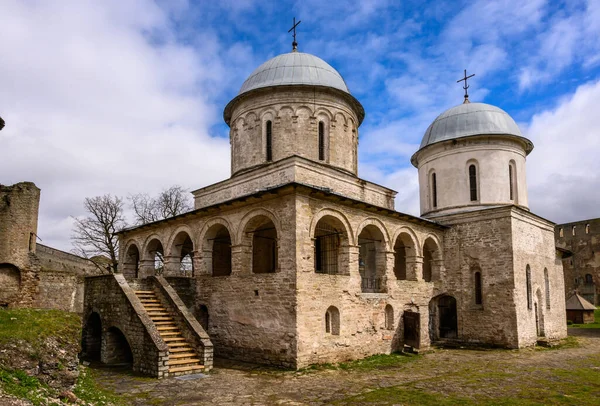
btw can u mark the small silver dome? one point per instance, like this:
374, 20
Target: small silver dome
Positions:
294, 68
471, 119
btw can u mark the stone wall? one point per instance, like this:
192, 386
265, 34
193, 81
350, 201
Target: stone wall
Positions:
299, 170
582, 270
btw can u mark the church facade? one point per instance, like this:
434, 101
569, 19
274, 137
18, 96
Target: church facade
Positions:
295, 260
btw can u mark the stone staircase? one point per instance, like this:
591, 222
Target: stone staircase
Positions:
183, 359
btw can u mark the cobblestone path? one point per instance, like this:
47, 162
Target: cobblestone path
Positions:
475, 374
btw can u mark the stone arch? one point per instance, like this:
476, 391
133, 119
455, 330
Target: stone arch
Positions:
154, 251
283, 110
250, 119
10, 283
115, 347
322, 111
372, 258
216, 248
181, 251
332, 321
405, 246
339, 216
91, 338
371, 221
432, 251
259, 230
267, 113
303, 107
131, 260
343, 121
331, 243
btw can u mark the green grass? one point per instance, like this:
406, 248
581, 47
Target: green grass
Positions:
35, 325
86, 389
23, 386
595, 324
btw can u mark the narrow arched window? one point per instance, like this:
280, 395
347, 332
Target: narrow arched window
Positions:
547, 283
587, 228
528, 285
478, 290
573, 230
269, 141
561, 232
332, 321
589, 279
510, 182
473, 182
433, 190
321, 141
389, 317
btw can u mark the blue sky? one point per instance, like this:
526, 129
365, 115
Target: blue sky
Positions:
125, 97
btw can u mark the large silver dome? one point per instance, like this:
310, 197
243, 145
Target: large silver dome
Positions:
471, 119
294, 68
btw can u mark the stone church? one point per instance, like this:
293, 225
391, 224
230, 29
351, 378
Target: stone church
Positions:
295, 260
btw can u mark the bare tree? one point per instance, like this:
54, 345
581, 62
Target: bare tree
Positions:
95, 237
170, 202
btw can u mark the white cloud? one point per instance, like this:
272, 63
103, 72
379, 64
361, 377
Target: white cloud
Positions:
99, 98
563, 170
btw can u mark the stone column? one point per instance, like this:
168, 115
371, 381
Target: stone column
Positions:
241, 259
388, 276
414, 268
171, 266
352, 258
438, 272
198, 263
146, 268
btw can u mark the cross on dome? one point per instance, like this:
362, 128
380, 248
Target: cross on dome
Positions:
294, 43
466, 86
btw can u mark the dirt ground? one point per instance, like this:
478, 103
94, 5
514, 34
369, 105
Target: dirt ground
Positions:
567, 375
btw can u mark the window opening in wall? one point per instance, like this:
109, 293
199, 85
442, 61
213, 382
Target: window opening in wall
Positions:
589, 280
587, 228
321, 141
434, 190
478, 289
547, 283
429, 249
186, 264
31, 241
332, 321
371, 259
389, 317
510, 181
400, 259
528, 286
327, 248
269, 141
264, 248
573, 230
473, 182
560, 232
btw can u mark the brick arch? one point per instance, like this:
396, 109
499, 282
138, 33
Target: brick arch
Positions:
438, 245
147, 242
371, 221
304, 107
252, 215
268, 113
412, 236
343, 121
323, 111
112, 337
130, 265
213, 221
171, 241
251, 118
336, 214
283, 108
10, 283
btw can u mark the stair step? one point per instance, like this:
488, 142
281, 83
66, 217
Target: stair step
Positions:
179, 344
184, 361
188, 354
143, 291
170, 339
164, 323
167, 328
186, 369
158, 313
169, 333
161, 318
180, 348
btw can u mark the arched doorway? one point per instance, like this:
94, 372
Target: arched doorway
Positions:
330, 243
431, 252
156, 253
443, 318
262, 235
371, 259
131, 266
182, 250
403, 248
217, 250
91, 338
116, 349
